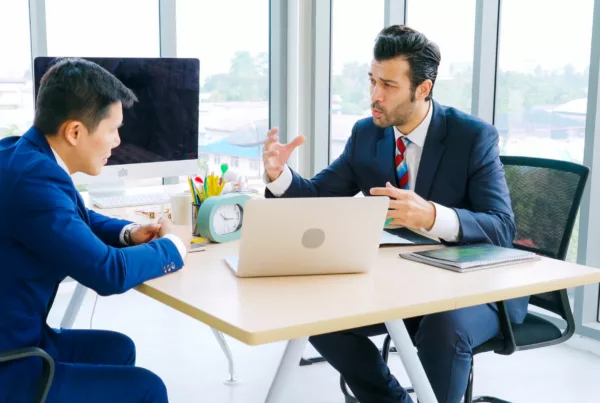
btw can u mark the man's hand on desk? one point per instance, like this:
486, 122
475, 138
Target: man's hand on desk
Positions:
183, 232
276, 155
144, 233
407, 208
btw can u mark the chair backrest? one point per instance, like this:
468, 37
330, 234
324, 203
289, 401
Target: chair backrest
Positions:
545, 196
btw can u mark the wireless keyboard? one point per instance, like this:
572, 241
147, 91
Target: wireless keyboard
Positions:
130, 200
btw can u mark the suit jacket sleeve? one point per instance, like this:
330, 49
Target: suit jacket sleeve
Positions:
490, 218
48, 224
337, 180
106, 228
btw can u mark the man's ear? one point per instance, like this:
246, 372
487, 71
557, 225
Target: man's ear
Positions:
424, 89
73, 130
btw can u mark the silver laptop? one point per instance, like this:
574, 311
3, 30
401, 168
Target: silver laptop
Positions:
305, 236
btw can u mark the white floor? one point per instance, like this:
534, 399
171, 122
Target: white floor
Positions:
187, 357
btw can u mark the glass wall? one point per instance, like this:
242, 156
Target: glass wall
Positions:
107, 28
351, 55
452, 28
231, 39
16, 91
542, 82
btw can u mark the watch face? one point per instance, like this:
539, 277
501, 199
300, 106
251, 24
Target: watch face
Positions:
227, 219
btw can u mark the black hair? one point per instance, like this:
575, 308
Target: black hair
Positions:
77, 89
423, 56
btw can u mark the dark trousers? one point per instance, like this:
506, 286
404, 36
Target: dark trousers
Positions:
96, 366
444, 342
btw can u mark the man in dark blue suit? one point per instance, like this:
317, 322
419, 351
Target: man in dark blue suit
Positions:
47, 234
441, 170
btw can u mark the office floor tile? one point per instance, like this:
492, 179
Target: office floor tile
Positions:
185, 354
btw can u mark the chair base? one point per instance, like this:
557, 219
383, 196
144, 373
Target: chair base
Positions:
488, 399
478, 399
351, 399
309, 361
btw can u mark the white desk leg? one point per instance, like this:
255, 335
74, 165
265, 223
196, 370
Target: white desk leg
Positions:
73, 307
289, 362
223, 343
411, 361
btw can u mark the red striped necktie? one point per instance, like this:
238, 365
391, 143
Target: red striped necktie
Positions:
401, 165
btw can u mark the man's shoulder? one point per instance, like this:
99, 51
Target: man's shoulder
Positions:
21, 162
462, 123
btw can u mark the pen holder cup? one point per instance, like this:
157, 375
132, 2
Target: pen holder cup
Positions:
195, 208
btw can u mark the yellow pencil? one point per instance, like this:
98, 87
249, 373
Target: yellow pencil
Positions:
192, 191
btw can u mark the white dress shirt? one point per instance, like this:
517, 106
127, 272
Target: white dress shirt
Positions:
446, 225
174, 238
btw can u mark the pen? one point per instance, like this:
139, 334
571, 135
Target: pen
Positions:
388, 221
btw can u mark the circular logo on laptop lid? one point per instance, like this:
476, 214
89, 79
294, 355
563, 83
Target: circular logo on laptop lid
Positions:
313, 238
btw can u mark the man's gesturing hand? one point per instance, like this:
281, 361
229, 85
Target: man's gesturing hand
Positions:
276, 155
407, 208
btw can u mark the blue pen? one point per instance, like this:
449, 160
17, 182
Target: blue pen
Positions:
387, 222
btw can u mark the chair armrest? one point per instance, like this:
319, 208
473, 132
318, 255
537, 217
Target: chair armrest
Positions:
47, 367
510, 346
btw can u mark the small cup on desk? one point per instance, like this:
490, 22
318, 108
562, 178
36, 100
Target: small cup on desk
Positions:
195, 207
181, 209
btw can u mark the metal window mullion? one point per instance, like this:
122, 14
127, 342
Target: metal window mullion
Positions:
485, 59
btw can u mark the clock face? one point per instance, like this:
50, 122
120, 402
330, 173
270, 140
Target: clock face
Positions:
227, 219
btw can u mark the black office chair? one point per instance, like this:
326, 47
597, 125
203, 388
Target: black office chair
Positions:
545, 197
45, 380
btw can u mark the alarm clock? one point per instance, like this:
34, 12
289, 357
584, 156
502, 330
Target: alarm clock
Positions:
220, 217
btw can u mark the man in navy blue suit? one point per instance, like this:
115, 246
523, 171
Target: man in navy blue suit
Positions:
47, 234
441, 170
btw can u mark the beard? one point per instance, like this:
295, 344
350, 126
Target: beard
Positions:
397, 116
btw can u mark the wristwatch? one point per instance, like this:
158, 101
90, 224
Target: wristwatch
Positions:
127, 234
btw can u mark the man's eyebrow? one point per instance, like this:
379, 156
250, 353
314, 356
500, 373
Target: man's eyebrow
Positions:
384, 80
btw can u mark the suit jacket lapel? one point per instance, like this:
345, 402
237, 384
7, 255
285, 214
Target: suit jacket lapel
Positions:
386, 150
433, 149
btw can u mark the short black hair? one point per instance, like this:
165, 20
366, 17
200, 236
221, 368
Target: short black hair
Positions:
77, 89
423, 56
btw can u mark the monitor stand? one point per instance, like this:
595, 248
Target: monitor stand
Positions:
119, 188
107, 189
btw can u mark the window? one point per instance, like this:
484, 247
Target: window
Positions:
231, 39
217, 161
452, 28
351, 55
541, 88
235, 162
16, 89
107, 28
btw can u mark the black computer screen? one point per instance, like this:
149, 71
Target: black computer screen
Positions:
163, 124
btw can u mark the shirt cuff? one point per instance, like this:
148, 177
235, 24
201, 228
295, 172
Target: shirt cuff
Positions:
122, 234
280, 185
446, 225
178, 244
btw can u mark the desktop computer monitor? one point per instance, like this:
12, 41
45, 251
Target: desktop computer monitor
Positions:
159, 136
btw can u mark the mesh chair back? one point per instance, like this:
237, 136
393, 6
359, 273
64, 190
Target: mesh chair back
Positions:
545, 196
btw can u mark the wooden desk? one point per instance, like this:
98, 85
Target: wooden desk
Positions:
263, 310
